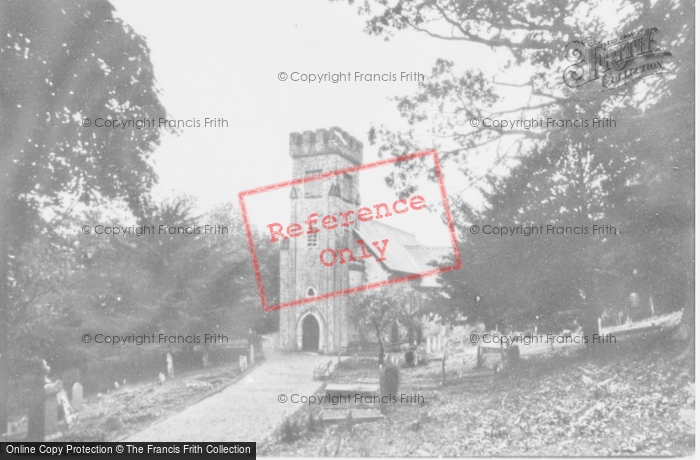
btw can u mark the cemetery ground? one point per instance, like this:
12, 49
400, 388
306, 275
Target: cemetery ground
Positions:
633, 398
132, 408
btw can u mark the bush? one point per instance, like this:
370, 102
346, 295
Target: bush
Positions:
290, 431
311, 425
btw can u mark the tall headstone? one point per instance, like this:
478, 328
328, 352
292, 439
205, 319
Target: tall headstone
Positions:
65, 406
252, 354
171, 370
51, 431
77, 397
389, 381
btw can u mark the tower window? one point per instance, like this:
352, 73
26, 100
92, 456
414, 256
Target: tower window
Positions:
310, 291
312, 240
347, 187
313, 188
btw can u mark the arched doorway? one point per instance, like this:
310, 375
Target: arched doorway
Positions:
310, 334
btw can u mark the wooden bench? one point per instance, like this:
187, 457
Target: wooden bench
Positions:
323, 371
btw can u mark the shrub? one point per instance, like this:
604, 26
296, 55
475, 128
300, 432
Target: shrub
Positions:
311, 425
290, 431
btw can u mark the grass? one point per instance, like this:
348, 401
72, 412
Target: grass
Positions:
130, 409
623, 399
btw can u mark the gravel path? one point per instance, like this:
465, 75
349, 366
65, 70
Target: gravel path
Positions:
249, 409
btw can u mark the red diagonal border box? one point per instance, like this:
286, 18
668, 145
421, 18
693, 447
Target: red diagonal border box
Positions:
432, 272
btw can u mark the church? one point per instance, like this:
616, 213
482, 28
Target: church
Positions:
324, 325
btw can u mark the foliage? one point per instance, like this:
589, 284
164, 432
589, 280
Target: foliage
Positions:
59, 64
68, 284
291, 431
375, 311
636, 398
636, 177
155, 402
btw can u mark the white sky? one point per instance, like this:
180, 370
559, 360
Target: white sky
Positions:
221, 59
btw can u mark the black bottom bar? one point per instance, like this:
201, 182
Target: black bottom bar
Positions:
238, 449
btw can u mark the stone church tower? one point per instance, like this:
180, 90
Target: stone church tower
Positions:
323, 325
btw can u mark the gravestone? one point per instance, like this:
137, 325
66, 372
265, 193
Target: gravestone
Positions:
77, 397
252, 355
51, 431
410, 359
161, 377
389, 379
65, 406
240, 363
171, 370
513, 354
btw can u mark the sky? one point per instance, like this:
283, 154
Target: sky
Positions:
223, 61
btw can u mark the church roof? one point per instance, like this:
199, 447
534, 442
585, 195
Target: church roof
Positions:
404, 253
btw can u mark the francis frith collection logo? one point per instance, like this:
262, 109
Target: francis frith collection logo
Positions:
616, 62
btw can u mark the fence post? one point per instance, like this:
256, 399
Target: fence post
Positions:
444, 358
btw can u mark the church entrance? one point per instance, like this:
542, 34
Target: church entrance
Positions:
310, 332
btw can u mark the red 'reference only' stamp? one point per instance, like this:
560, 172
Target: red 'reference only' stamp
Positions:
331, 244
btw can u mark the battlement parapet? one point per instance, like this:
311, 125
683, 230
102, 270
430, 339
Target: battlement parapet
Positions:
324, 141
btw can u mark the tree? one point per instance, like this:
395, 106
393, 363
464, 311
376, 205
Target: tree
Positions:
59, 64
623, 176
376, 310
